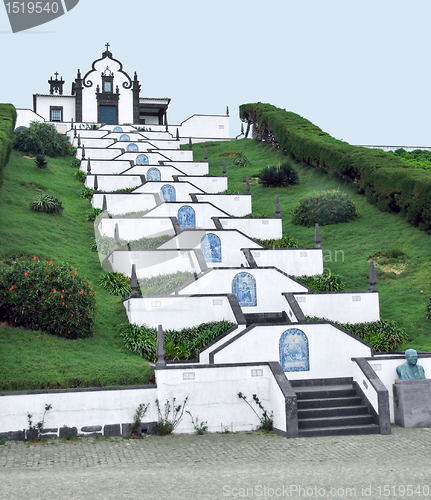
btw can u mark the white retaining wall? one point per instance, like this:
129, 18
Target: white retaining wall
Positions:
135, 228
264, 229
208, 184
154, 262
189, 167
105, 167
344, 307
270, 285
113, 182
166, 173
98, 153
122, 203
294, 261
203, 211
182, 189
205, 126
237, 205
261, 342
178, 311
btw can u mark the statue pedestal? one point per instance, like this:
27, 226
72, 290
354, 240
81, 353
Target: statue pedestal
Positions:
412, 403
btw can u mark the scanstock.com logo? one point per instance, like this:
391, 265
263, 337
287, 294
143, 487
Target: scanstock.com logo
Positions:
27, 14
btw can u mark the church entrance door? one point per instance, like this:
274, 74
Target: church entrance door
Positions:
108, 114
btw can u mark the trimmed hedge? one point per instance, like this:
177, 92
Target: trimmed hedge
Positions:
7, 126
384, 178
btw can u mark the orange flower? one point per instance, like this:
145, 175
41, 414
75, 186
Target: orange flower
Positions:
50, 261
25, 274
34, 258
82, 291
11, 288
55, 291
47, 275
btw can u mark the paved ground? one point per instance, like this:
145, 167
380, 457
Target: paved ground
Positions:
213, 466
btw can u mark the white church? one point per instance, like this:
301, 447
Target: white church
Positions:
107, 95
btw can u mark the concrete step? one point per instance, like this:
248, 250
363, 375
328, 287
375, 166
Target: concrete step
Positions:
335, 411
304, 404
323, 392
343, 430
338, 421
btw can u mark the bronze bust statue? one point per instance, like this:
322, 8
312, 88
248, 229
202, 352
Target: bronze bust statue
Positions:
411, 370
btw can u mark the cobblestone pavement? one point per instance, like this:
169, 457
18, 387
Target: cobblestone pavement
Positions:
213, 466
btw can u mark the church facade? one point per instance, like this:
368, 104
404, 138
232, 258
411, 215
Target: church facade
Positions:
104, 94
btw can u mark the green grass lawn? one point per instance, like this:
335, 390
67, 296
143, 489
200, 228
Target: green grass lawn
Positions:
347, 247
32, 359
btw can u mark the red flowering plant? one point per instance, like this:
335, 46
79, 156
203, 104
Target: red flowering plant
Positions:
325, 207
41, 295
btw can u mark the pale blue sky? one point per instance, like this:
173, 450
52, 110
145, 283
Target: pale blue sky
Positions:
358, 70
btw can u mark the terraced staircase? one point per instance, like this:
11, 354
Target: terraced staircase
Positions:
331, 407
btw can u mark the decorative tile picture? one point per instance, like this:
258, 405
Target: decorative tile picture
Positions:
117, 129
244, 287
153, 174
186, 216
132, 147
142, 160
294, 353
211, 247
167, 193
125, 137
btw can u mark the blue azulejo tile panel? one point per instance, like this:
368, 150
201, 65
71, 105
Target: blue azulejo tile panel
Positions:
167, 193
211, 247
132, 147
186, 216
153, 174
294, 352
124, 137
244, 287
117, 129
142, 160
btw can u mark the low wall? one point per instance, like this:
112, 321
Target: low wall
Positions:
204, 126
262, 228
181, 311
100, 411
154, 262
344, 307
105, 167
113, 182
261, 342
237, 205
189, 167
124, 203
183, 190
208, 184
98, 153
135, 228
293, 261
166, 172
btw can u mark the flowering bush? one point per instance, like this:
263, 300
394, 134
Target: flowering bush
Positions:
44, 296
327, 207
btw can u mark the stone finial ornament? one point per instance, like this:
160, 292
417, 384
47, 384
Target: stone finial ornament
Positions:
88, 166
247, 185
178, 135
71, 123
83, 151
74, 131
317, 238
190, 143
117, 240
227, 110
224, 169
79, 140
277, 207
205, 153
96, 184
160, 349
134, 283
372, 278
104, 204
411, 370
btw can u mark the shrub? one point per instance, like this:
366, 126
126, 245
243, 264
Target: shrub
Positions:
105, 244
166, 424
326, 282
92, 213
284, 175
44, 296
42, 138
86, 193
40, 161
80, 176
75, 163
284, 242
241, 160
382, 335
267, 419
328, 207
46, 203
162, 284
182, 344
115, 283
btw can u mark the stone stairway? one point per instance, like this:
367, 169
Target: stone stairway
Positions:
332, 407
267, 318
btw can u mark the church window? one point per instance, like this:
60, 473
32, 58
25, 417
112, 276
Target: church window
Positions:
56, 114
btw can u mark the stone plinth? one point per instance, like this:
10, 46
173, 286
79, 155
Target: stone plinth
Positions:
412, 403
